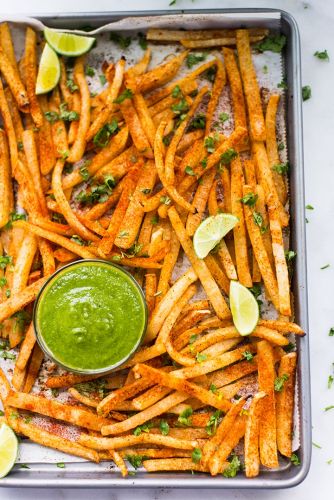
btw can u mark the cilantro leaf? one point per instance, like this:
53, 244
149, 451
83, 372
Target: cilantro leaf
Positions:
280, 381
306, 92
273, 43
233, 468
193, 59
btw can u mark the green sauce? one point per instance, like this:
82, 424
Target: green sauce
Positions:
90, 316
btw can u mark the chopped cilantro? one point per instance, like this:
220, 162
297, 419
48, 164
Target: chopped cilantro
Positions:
101, 138
155, 220
323, 55
309, 207
165, 200
3, 282
67, 116
200, 357
249, 199
196, 455
273, 43
280, 381
306, 92
71, 85
281, 168
136, 460
184, 417
176, 92
295, 459
142, 41
193, 59
228, 156
142, 428
325, 267
223, 117
233, 468
189, 171
282, 85
61, 465
79, 241
180, 107
290, 255
7, 355
204, 162
102, 79
331, 407
213, 422
331, 332
248, 355
122, 41
210, 73
51, 116
89, 71
198, 122
13, 216
164, 427
210, 143
126, 94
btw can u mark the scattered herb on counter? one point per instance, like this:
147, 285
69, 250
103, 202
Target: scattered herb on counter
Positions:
325, 267
309, 207
306, 92
142, 41
331, 332
323, 55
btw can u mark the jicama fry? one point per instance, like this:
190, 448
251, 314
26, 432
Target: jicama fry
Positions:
150, 290
215, 42
14, 82
78, 146
33, 368
199, 203
280, 260
237, 95
4, 386
134, 215
56, 238
218, 85
239, 231
266, 376
58, 128
33, 165
101, 443
167, 35
260, 252
6, 191
251, 88
8, 125
45, 438
208, 283
20, 300
252, 458
27, 346
103, 116
265, 178
227, 445
225, 258
285, 403
127, 392
30, 76
161, 74
7, 46
218, 273
271, 145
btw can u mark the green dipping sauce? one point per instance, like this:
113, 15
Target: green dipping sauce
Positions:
90, 315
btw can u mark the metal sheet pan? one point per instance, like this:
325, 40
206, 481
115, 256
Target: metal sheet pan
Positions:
81, 474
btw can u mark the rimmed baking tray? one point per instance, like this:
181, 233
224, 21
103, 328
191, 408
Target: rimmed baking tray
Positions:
79, 474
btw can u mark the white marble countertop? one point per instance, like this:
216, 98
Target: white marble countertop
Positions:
316, 23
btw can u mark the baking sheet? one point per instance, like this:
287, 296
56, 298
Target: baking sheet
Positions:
106, 50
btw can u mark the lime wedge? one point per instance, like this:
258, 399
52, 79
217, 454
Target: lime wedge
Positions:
68, 44
211, 231
244, 308
8, 449
48, 71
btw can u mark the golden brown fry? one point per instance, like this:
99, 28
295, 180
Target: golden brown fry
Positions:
51, 408
160, 74
260, 252
6, 43
167, 35
266, 376
23, 298
4, 386
134, 215
265, 178
127, 392
171, 151
78, 147
251, 88
285, 403
45, 438
237, 94
208, 283
219, 84
225, 258
239, 231
199, 202
64, 205
215, 42
227, 445
6, 190
252, 456
33, 369
104, 115
58, 128
14, 82
176, 464
280, 260
8, 125
101, 443
150, 291
218, 273
47, 156
27, 346
34, 168
272, 150
56, 238
30, 76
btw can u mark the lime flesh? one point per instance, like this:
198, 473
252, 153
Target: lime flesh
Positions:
211, 231
8, 449
68, 44
244, 308
48, 71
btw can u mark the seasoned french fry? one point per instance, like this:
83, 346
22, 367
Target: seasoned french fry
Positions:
166, 35
4, 386
285, 403
20, 300
107, 110
127, 392
6, 43
252, 458
78, 146
100, 443
280, 260
260, 252
218, 273
199, 203
14, 82
266, 376
30, 76
208, 283
271, 145
251, 88
239, 231
227, 445
45, 438
33, 369
161, 74
6, 190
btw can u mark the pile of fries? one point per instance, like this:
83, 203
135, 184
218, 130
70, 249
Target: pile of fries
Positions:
128, 175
